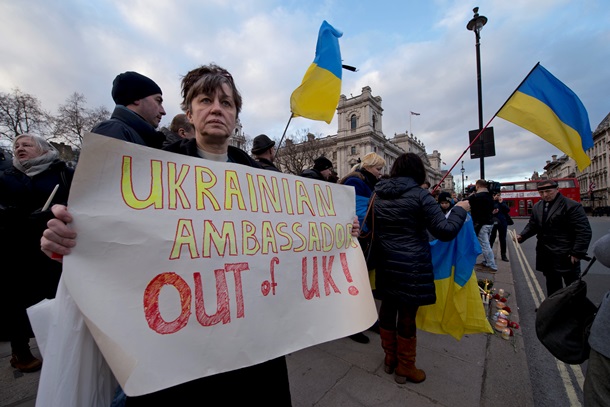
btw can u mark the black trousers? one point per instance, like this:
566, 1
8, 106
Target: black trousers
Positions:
555, 280
499, 229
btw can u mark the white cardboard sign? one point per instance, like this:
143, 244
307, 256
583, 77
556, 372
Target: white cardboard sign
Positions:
186, 267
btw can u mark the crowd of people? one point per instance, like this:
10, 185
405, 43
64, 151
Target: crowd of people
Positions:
407, 214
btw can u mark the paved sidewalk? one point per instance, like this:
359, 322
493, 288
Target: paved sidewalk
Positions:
479, 370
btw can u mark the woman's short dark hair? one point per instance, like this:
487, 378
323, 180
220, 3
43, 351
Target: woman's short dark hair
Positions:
409, 165
207, 79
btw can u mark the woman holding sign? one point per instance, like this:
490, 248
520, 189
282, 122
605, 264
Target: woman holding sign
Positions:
37, 178
212, 104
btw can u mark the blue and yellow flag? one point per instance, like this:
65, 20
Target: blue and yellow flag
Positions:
549, 109
319, 93
459, 308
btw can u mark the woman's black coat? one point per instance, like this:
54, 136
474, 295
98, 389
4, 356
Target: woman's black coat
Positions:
404, 213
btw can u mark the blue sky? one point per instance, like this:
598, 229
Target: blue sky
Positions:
416, 55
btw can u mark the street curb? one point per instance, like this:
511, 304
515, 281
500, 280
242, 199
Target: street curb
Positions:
506, 377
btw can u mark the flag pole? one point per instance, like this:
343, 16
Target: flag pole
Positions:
277, 150
410, 118
460, 157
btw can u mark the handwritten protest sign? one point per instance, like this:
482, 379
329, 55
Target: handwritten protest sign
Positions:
186, 267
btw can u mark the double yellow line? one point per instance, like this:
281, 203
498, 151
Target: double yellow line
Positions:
565, 370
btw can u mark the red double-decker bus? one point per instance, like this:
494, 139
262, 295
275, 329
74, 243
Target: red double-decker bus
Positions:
520, 196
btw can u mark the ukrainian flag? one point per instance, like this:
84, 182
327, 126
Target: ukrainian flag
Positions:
459, 308
319, 93
545, 106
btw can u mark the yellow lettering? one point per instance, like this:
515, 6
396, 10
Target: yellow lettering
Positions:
185, 235
220, 241
155, 195
203, 187
174, 186
232, 190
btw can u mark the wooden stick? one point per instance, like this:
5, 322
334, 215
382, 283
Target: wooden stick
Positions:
48, 203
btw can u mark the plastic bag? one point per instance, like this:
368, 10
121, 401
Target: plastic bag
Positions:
74, 372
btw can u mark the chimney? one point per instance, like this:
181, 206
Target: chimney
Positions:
554, 156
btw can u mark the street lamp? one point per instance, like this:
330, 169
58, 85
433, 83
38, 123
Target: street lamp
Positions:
462, 170
476, 24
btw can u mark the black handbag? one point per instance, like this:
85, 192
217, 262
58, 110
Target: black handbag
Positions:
366, 239
509, 220
563, 321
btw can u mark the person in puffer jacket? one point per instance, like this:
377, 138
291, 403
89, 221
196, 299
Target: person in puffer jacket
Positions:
404, 214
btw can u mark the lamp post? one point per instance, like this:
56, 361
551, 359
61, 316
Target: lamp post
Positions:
476, 24
462, 171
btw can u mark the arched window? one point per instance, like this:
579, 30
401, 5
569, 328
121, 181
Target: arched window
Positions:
354, 122
374, 122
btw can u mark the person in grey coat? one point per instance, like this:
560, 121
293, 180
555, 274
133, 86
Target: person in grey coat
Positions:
596, 389
404, 213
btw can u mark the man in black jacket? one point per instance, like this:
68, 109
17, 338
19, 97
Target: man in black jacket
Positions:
138, 111
563, 232
481, 209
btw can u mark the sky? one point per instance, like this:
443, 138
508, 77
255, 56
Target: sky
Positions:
417, 55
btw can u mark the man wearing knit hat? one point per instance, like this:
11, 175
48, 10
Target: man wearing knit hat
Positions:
138, 111
322, 169
264, 152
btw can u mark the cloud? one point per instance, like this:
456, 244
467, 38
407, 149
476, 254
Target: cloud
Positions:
417, 56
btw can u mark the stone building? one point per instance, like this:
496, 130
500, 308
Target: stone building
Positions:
594, 178
360, 131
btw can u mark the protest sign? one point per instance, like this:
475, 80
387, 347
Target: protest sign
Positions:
186, 267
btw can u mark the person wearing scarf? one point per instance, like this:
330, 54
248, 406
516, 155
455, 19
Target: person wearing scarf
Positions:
24, 189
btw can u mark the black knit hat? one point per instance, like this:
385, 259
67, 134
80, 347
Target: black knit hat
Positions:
131, 86
261, 144
444, 197
322, 163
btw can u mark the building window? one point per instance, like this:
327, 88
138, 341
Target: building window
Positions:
353, 151
374, 122
353, 122
375, 149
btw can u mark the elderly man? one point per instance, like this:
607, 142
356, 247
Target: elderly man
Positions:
263, 151
138, 111
563, 232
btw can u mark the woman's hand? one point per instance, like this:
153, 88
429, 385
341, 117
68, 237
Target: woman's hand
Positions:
58, 239
465, 204
356, 227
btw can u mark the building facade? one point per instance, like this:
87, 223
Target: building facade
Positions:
360, 131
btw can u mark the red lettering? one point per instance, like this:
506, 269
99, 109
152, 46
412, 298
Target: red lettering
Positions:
151, 303
309, 293
328, 279
223, 312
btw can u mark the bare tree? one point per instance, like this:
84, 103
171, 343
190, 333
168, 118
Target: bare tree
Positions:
299, 150
74, 119
22, 113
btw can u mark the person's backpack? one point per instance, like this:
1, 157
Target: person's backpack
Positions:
564, 319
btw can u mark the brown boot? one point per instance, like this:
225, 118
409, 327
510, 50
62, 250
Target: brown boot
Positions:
26, 362
388, 343
406, 369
